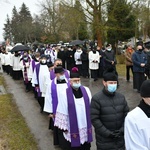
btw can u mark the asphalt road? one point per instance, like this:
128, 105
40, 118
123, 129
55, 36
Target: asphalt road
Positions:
38, 123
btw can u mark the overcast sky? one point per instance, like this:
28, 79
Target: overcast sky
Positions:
6, 7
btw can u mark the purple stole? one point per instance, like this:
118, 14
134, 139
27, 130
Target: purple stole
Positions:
54, 95
37, 74
75, 137
52, 74
33, 65
25, 71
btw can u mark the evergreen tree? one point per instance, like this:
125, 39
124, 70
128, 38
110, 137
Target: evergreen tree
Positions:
14, 25
121, 22
25, 24
7, 29
82, 28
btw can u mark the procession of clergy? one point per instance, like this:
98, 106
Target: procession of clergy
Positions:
61, 95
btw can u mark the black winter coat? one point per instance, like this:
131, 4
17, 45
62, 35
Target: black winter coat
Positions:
108, 112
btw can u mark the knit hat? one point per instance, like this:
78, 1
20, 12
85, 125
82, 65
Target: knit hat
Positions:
109, 75
145, 89
74, 73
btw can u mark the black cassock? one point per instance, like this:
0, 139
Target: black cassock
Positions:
70, 59
62, 55
85, 64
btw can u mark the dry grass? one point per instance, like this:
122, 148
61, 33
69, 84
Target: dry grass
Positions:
14, 133
121, 69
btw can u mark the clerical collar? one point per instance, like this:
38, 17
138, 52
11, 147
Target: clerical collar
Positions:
61, 81
77, 93
145, 108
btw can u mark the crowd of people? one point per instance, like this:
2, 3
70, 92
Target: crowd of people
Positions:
54, 75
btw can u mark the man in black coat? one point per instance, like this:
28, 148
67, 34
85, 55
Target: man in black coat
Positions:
108, 111
62, 55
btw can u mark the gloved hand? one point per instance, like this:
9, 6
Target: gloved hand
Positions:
115, 134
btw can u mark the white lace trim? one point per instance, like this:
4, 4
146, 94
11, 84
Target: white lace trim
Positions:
82, 133
61, 121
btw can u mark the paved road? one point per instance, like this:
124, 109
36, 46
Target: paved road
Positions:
38, 123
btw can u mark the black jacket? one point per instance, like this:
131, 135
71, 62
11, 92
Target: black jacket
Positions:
108, 112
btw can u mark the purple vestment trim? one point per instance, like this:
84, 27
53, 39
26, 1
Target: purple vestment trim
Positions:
37, 74
33, 65
74, 131
25, 70
54, 95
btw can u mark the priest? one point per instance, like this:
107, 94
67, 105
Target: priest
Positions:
73, 116
54, 94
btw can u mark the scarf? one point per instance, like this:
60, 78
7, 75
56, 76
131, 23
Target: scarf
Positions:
74, 131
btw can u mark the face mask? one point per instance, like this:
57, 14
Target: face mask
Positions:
109, 49
76, 85
140, 50
62, 49
112, 87
43, 61
25, 58
62, 77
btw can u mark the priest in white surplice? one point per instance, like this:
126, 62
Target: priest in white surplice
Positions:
54, 94
73, 116
137, 122
40, 79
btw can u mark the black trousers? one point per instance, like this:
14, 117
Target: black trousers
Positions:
128, 68
138, 79
41, 102
94, 74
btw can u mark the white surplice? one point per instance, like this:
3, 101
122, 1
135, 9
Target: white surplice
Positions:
137, 130
62, 117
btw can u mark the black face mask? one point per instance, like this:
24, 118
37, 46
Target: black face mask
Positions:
140, 50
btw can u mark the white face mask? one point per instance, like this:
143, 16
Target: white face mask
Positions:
43, 61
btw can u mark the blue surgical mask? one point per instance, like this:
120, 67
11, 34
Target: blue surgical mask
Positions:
62, 77
112, 87
76, 85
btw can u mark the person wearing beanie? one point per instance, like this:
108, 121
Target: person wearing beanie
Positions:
54, 95
108, 111
137, 122
73, 115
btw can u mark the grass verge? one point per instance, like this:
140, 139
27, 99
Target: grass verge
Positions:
14, 132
